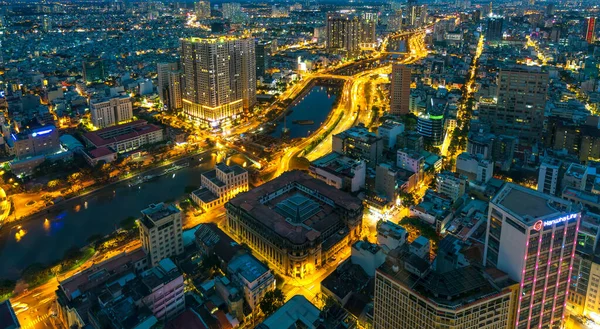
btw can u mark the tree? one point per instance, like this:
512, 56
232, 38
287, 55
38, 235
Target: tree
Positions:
128, 223
75, 181
407, 199
6, 287
36, 274
272, 301
53, 185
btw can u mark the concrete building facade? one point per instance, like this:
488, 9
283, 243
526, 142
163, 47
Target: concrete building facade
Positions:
161, 232
295, 222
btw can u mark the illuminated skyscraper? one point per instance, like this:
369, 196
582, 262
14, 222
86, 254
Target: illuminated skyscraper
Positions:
416, 15
521, 100
46, 24
590, 29
93, 71
532, 236
346, 31
400, 90
263, 55
233, 12
163, 72
494, 28
219, 76
203, 9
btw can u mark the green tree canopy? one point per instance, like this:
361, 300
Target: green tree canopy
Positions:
272, 300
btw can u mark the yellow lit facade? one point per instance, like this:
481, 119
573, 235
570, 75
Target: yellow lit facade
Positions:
196, 111
220, 78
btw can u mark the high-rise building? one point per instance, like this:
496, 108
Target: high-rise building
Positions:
175, 90
412, 293
400, 90
532, 236
46, 24
163, 72
521, 100
346, 32
219, 76
94, 71
263, 57
416, 15
494, 28
233, 12
387, 182
430, 125
203, 9
106, 112
394, 21
590, 29
549, 175
161, 232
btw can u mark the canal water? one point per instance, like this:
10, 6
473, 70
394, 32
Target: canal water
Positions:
98, 214
315, 106
41, 241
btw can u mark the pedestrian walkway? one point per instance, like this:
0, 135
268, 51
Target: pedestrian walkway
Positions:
31, 324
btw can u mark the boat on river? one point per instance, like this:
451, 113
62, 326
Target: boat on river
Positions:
303, 122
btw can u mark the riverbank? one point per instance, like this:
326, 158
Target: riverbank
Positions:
68, 202
38, 240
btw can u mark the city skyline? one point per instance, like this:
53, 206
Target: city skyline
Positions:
319, 164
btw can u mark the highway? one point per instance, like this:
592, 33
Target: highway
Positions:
357, 106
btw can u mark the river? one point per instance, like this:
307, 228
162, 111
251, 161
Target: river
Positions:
97, 214
314, 106
41, 241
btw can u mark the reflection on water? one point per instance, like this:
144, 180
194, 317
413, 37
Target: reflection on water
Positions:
315, 106
46, 225
47, 238
20, 234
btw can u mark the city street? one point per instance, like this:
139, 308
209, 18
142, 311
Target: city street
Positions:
35, 308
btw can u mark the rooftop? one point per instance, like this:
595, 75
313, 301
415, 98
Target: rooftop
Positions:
100, 152
248, 267
549, 161
360, 133
120, 133
205, 195
576, 170
297, 309
212, 237
451, 289
581, 195
79, 283
296, 206
391, 229
347, 278
163, 273
337, 163
529, 205
107, 99
156, 212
